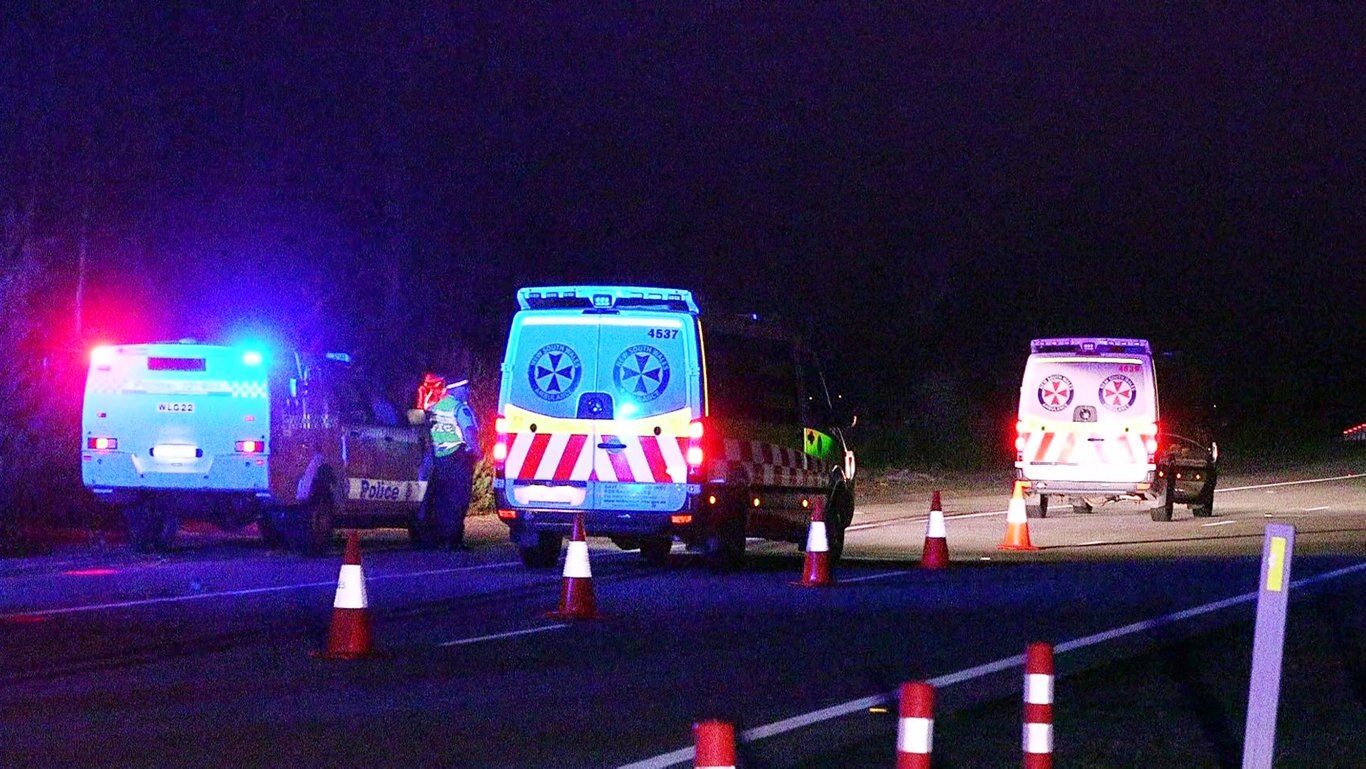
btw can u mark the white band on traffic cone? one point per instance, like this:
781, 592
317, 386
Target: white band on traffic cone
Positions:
1016, 512
815, 539
576, 560
350, 588
936, 528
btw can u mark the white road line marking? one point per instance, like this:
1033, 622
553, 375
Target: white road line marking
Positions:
948, 517
1093, 542
496, 636
872, 576
1218, 523
247, 591
1291, 483
675, 757
1315, 509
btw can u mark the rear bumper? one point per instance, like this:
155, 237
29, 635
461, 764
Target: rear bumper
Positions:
102, 471
1091, 488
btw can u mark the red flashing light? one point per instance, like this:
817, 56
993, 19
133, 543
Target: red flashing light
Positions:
250, 447
695, 455
680, 520
507, 515
102, 444
500, 447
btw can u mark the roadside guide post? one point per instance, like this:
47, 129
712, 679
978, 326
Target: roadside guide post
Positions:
1268, 644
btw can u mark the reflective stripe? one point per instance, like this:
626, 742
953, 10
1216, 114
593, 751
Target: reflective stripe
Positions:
1038, 738
815, 539
350, 588
1038, 689
576, 561
915, 735
936, 527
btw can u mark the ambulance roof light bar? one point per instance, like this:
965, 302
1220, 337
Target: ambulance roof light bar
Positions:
606, 297
1091, 345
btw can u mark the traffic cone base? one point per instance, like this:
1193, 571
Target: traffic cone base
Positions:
1017, 523
714, 745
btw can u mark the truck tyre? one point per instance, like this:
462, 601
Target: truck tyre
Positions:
655, 550
1037, 509
724, 547
841, 512
1162, 511
149, 529
272, 526
313, 523
544, 553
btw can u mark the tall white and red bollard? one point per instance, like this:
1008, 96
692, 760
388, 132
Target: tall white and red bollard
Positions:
1038, 707
935, 553
715, 745
915, 728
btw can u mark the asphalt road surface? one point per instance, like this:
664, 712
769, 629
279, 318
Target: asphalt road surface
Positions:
204, 656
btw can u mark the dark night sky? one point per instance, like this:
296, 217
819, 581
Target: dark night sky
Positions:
925, 189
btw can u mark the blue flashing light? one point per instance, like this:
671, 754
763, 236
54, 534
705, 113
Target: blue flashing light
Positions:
340, 357
251, 358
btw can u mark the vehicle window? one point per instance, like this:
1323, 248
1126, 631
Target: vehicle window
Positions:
816, 411
353, 403
752, 379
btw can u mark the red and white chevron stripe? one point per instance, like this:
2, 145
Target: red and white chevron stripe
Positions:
1068, 448
576, 457
772, 465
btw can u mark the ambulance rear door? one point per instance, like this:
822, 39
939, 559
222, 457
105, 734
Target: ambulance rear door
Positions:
1087, 418
649, 377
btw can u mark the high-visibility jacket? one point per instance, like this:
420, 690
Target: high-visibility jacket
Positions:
454, 427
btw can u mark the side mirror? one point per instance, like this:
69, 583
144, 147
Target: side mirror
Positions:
417, 417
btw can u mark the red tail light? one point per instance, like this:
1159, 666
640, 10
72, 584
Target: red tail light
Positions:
250, 447
1150, 441
1020, 439
102, 444
695, 454
500, 446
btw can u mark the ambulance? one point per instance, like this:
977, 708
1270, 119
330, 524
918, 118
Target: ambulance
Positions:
1087, 425
228, 435
625, 404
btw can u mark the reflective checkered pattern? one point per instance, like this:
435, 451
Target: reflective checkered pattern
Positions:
771, 465
247, 389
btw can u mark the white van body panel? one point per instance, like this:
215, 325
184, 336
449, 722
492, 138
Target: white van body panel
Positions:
1088, 415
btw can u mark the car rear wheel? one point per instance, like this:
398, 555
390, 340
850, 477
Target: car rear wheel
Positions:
149, 528
1037, 509
313, 523
542, 554
272, 528
1202, 509
1162, 511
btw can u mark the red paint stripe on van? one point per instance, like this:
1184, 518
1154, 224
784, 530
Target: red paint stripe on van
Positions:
655, 457
1042, 454
539, 442
570, 457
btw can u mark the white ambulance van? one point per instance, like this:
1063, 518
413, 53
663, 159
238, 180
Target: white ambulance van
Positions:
1087, 423
616, 403
228, 435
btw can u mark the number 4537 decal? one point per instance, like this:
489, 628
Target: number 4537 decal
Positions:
662, 333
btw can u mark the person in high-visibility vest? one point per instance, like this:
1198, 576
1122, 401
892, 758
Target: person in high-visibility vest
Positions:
455, 443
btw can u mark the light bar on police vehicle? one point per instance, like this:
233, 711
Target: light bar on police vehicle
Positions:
1090, 345
605, 298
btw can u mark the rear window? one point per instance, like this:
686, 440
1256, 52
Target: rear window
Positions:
752, 379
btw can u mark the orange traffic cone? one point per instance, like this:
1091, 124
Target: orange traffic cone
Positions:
816, 570
1017, 523
715, 742
935, 554
576, 592
349, 636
